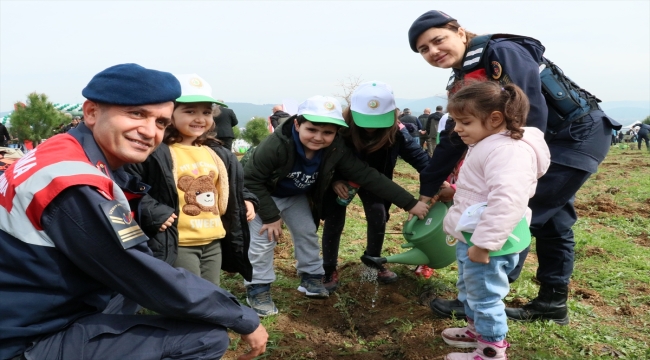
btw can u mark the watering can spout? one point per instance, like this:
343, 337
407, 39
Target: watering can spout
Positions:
374, 261
414, 256
427, 240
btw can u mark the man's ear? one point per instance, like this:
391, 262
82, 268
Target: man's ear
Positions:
295, 123
496, 119
91, 112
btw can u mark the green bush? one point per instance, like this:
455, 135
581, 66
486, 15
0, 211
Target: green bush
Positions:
37, 120
256, 130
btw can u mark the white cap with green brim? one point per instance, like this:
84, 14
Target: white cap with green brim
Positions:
322, 109
373, 105
195, 89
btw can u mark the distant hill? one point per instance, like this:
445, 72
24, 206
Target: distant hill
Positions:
627, 112
246, 111
417, 106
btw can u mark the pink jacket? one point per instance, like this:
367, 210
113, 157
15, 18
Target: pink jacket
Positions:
503, 172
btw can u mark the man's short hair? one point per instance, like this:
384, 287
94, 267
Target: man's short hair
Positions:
438, 108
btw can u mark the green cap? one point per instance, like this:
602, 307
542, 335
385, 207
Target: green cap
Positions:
374, 121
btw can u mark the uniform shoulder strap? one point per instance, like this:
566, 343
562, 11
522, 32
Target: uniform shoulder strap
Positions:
472, 59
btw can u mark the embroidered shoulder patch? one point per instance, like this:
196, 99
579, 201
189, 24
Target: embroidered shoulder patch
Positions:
496, 70
128, 232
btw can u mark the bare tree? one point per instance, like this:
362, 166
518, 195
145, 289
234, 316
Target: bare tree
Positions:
348, 85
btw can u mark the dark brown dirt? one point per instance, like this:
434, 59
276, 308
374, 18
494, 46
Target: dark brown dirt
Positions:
400, 325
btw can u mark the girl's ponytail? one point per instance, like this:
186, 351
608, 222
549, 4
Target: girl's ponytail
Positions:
515, 110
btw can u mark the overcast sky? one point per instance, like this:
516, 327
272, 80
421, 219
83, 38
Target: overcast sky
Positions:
264, 51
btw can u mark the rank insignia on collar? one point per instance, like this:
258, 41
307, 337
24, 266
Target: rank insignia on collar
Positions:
128, 232
101, 167
497, 70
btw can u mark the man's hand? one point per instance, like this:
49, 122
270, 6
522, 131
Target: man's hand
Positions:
250, 210
478, 255
273, 230
257, 341
420, 210
340, 188
168, 223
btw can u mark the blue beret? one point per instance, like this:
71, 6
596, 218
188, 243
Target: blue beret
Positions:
131, 84
431, 18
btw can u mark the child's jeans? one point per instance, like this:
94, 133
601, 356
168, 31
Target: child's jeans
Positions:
481, 288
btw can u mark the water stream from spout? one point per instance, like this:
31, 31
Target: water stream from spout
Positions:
369, 275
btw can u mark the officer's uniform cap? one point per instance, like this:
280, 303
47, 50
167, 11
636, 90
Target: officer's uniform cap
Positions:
132, 84
431, 18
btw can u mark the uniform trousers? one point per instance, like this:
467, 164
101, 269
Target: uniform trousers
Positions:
114, 336
553, 216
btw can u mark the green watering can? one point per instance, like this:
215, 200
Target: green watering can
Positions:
428, 243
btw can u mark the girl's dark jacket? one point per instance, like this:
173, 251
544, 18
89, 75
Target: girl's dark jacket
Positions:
273, 159
162, 200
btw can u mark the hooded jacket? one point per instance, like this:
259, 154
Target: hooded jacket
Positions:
274, 158
278, 117
503, 172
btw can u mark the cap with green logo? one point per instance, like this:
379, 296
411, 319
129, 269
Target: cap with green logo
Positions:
373, 105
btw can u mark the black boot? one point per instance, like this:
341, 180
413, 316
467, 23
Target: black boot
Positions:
447, 308
550, 304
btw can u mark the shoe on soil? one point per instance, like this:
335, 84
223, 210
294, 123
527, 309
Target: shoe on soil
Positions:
464, 338
331, 281
386, 276
258, 296
550, 304
424, 271
312, 286
484, 351
447, 309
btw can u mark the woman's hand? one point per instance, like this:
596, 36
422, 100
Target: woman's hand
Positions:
478, 255
340, 187
168, 223
273, 230
250, 210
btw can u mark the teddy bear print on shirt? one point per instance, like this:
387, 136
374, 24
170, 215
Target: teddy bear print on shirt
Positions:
200, 194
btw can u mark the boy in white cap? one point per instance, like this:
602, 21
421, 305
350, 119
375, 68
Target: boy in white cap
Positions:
290, 172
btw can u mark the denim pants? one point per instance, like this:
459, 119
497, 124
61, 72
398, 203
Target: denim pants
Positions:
481, 288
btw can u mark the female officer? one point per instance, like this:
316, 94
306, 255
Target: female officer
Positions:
577, 147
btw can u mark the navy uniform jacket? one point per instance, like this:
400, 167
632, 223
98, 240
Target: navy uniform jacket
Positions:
44, 289
517, 62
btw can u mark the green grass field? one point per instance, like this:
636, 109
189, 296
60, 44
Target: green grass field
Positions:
609, 295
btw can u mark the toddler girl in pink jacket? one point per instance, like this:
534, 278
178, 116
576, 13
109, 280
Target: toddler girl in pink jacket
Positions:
499, 175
